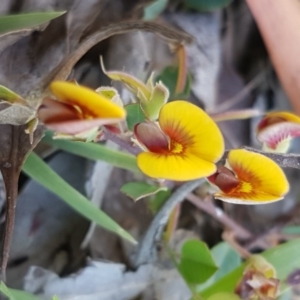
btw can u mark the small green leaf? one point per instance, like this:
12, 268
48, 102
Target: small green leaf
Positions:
96, 152
159, 97
224, 296
169, 78
196, 264
22, 21
291, 230
139, 190
134, 115
206, 5
158, 200
226, 259
10, 96
154, 9
16, 294
110, 93
55, 298
284, 258
39, 171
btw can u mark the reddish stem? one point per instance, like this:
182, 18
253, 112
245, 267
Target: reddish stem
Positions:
220, 216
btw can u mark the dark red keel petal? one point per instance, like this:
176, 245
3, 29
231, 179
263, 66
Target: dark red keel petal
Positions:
150, 135
224, 179
265, 122
53, 111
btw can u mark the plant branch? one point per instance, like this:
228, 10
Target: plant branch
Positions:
218, 214
64, 68
126, 145
10, 172
147, 250
284, 160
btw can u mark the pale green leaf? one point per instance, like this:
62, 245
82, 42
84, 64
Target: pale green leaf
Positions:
10, 96
196, 264
154, 9
284, 258
159, 97
135, 85
39, 171
158, 200
23, 21
226, 259
16, 294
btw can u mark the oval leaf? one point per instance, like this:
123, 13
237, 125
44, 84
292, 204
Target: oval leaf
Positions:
134, 116
227, 260
196, 264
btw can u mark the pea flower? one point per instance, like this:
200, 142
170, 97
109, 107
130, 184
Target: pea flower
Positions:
250, 178
259, 280
184, 145
77, 109
276, 130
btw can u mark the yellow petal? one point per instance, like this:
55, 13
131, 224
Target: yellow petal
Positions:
90, 103
174, 167
261, 179
254, 199
189, 126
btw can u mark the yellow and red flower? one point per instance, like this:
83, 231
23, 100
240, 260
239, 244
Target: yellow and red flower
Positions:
250, 178
77, 109
184, 145
276, 130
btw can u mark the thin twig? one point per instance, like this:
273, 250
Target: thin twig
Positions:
64, 68
233, 101
264, 240
229, 237
147, 250
172, 222
126, 145
220, 216
10, 172
284, 160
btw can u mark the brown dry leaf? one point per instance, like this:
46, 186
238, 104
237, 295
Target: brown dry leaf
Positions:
28, 66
